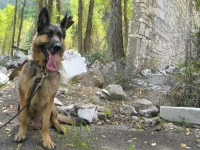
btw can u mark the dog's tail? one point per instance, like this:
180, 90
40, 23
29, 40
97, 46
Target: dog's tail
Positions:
72, 120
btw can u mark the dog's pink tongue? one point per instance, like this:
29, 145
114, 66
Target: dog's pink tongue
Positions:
51, 64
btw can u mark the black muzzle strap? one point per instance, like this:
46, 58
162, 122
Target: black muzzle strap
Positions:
45, 52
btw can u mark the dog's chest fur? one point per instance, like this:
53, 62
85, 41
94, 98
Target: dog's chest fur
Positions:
46, 92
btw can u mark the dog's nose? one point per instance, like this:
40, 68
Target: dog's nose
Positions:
56, 47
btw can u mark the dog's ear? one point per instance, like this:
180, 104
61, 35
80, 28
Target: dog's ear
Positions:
69, 22
63, 22
43, 19
66, 22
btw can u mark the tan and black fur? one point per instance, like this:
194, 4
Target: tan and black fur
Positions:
41, 110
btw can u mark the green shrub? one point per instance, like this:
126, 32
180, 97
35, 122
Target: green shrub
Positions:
186, 84
100, 55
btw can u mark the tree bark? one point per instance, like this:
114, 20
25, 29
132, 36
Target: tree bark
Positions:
4, 43
45, 3
115, 36
58, 9
40, 4
87, 39
50, 7
14, 24
125, 25
21, 23
80, 17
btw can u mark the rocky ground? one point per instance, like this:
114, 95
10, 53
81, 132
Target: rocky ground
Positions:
116, 132
126, 119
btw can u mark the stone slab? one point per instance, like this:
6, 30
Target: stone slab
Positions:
73, 63
176, 114
156, 79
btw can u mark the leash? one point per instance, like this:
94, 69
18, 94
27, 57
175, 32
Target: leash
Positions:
35, 88
41, 73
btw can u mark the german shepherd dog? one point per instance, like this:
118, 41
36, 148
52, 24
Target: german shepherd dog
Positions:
48, 47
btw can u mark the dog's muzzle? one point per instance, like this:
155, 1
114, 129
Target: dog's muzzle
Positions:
56, 47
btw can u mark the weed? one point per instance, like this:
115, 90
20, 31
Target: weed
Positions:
2, 86
162, 122
79, 138
18, 146
74, 80
183, 123
179, 130
109, 112
131, 147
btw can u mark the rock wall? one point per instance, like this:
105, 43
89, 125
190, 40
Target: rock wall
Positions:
159, 32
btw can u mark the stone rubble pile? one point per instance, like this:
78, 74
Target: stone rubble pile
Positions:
98, 75
141, 110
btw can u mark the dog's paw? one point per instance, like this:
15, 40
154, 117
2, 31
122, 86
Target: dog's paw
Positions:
20, 137
48, 144
60, 129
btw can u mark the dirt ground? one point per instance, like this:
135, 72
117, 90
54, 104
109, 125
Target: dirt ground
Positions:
116, 134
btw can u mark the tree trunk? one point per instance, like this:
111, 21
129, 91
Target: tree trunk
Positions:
125, 25
89, 28
80, 16
45, 3
50, 7
115, 37
21, 22
40, 4
4, 43
14, 24
58, 9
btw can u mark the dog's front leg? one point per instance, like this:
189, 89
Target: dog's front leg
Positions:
47, 142
21, 135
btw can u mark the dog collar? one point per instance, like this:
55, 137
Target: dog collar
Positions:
40, 69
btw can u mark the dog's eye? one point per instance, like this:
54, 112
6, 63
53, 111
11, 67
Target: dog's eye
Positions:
60, 35
49, 34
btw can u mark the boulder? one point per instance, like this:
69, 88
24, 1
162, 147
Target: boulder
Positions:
3, 79
128, 110
151, 112
135, 118
20, 55
96, 99
142, 104
101, 116
4, 59
116, 92
3, 70
98, 65
152, 121
12, 64
67, 110
92, 77
109, 72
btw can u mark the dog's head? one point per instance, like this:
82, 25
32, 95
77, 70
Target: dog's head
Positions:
48, 44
